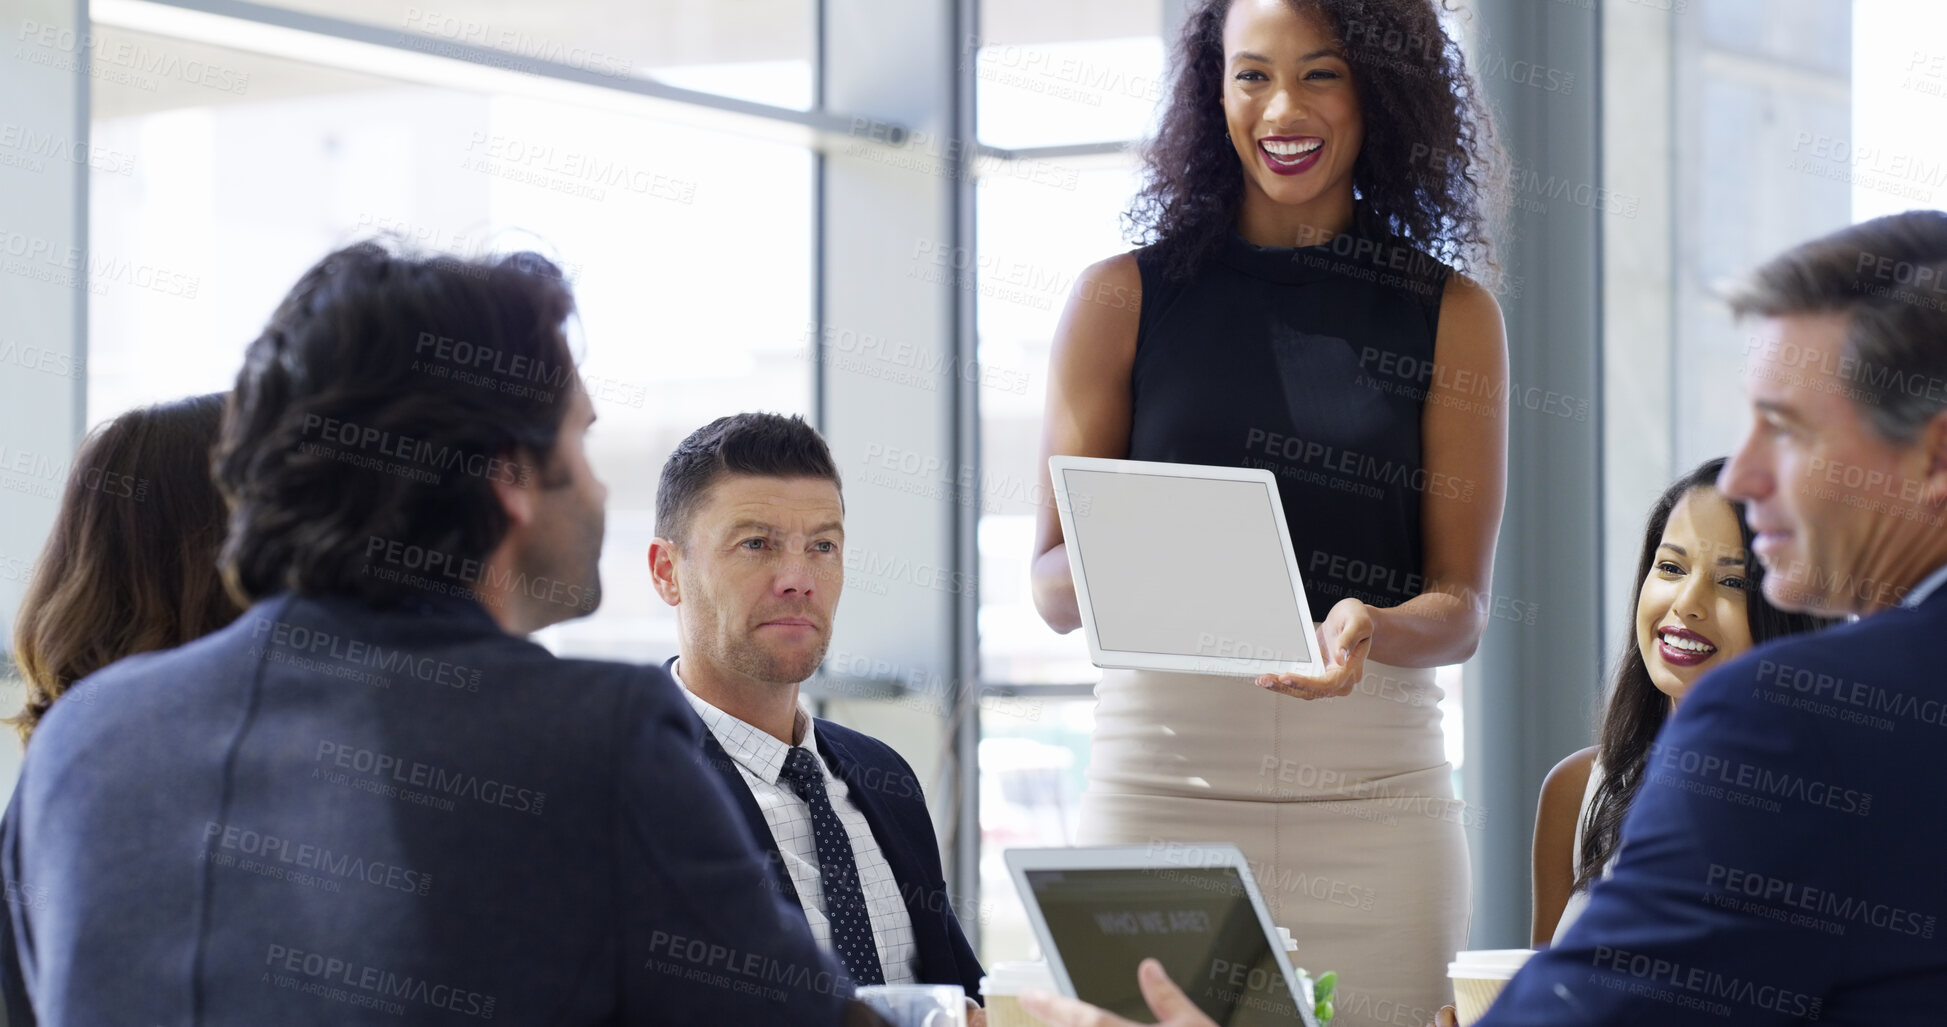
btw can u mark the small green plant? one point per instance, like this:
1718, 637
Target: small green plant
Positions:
1320, 993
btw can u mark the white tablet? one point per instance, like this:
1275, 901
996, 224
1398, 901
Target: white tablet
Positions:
1098, 912
1183, 567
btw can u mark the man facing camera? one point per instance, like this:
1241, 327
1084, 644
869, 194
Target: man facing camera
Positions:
750, 551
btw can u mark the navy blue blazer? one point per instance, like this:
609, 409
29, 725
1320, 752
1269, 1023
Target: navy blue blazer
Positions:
887, 791
1782, 862
330, 814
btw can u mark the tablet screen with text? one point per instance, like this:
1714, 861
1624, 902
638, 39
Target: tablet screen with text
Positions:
1197, 921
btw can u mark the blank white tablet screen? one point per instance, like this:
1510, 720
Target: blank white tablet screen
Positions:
1187, 566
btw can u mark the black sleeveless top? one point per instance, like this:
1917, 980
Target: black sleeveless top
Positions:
1312, 362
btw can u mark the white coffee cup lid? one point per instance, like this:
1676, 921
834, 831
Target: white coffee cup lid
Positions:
1488, 964
1012, 978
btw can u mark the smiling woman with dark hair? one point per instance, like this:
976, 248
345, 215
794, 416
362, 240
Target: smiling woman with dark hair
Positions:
1699, 605
1323, 175
1417, 145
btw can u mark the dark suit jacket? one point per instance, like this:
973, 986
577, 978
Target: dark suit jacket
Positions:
1782, 862
328, 814
888, 793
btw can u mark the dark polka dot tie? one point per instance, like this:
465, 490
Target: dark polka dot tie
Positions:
838, 872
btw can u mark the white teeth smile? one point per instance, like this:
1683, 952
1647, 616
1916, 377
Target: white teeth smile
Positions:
1285, 152
1687, 645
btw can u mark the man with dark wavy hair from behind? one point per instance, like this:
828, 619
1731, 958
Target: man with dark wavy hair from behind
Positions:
371, 799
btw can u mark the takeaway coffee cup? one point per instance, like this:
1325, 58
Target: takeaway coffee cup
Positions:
1478, 977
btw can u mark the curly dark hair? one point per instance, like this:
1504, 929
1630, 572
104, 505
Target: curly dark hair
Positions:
1428, 174
381, 402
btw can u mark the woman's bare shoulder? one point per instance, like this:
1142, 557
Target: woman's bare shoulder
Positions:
1570, 778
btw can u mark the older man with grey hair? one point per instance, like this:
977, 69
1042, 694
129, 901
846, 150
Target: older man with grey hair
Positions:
1781, 860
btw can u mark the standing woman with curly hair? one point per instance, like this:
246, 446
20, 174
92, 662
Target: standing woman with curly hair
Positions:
1323, 173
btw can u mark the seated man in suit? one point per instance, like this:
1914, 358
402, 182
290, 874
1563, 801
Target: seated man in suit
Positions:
370, 799
1781, 863
750, 551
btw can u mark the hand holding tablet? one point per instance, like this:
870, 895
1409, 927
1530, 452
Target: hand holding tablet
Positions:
1345, 638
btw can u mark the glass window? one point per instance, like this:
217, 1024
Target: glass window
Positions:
1899, 83
1033, 754
1762, 163
757, 50
1081, 71
1035, 238
214, 205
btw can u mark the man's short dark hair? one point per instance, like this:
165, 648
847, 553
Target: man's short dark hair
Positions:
375, 411
1888, 276
766, 445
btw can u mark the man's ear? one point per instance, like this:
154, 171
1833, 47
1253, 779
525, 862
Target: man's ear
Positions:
516, 498
662, 570
1934, 437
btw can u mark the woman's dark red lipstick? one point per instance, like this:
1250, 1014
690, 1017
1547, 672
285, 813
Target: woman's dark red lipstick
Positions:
1677, 657
1296, 159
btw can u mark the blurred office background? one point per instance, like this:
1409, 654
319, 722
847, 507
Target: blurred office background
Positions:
871, 212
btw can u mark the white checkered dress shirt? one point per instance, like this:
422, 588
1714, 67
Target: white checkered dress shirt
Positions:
760, 759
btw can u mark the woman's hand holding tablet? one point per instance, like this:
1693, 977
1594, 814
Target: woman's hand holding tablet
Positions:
1344, 639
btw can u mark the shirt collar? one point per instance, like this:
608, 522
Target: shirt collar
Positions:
754, 749
1919, 593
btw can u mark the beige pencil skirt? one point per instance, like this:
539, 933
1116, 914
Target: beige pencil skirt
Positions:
1344, 808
